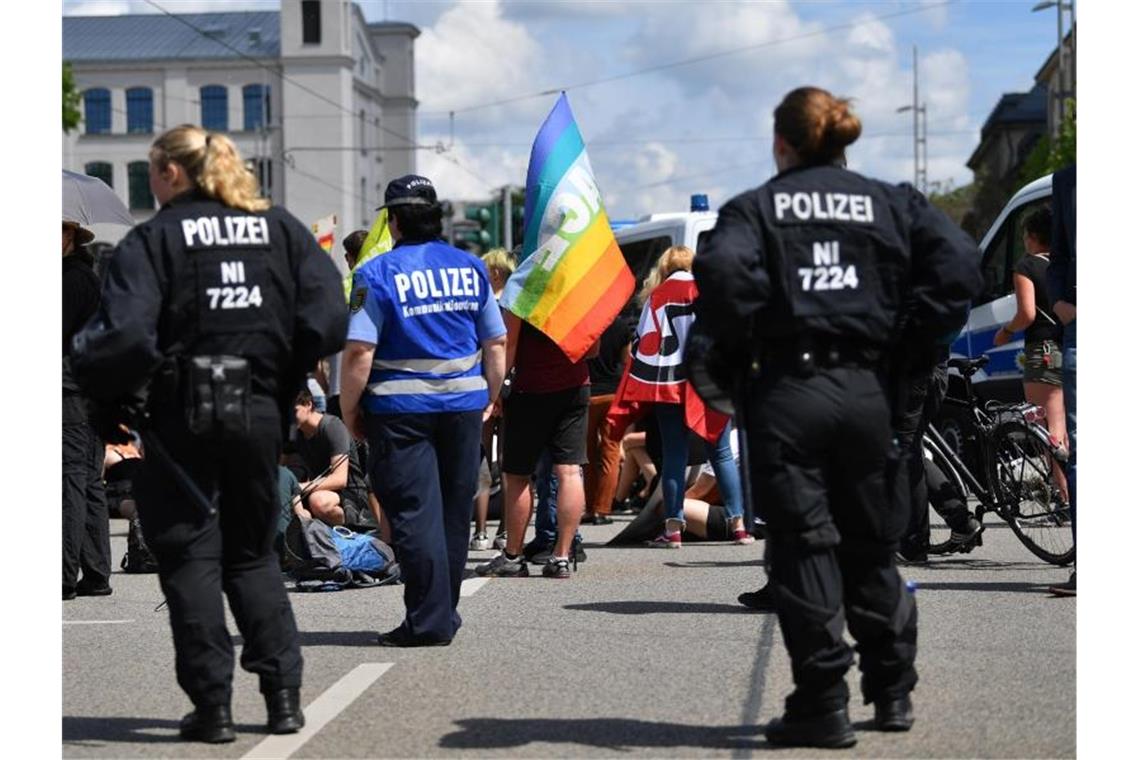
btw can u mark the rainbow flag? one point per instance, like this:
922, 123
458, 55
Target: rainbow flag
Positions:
324, 229
572, 279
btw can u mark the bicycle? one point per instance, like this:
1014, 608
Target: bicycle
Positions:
1013, 454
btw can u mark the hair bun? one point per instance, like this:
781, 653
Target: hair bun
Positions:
843, 126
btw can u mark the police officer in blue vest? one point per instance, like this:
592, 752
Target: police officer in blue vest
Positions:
422, 368
840, 277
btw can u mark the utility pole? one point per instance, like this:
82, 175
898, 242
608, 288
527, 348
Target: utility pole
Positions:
919, 131
915, 106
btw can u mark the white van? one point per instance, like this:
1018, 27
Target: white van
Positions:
1001, 248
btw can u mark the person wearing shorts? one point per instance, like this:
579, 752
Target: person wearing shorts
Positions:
1043, 332
546, 409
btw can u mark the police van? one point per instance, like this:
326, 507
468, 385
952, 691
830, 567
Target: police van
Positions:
1001, 248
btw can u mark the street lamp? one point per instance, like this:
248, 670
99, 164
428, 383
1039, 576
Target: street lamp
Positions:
919, 110
1063, 87
919, 140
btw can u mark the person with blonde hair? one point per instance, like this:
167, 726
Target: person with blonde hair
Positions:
220, 303
500, 266
829, 280
655, 381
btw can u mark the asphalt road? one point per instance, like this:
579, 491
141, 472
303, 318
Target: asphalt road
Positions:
644, 653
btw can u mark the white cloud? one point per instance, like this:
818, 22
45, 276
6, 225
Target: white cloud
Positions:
471, 56
463, 173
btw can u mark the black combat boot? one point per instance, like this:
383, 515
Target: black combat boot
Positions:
894, 714
212, 724
831, 730
284, 709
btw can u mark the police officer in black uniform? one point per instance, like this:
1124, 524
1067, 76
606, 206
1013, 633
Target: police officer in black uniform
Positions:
222, 303
819, 261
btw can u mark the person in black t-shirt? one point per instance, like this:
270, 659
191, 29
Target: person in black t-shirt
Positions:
336, 491
1043, 331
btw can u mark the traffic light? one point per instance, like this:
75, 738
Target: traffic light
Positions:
488, 216
518, 216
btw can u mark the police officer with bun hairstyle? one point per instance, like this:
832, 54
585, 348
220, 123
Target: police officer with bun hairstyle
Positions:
820, 261
222, 303
425, 359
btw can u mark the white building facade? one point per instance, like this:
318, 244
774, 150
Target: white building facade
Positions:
321, 103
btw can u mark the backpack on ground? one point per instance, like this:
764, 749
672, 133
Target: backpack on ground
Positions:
138, 558
323, 558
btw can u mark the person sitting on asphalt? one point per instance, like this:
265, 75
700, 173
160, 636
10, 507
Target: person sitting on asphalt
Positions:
335, 492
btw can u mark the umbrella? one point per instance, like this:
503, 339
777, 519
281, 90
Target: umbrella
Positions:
88, 201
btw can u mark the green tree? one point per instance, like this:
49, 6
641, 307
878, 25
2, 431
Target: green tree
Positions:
1049, 155
71, 100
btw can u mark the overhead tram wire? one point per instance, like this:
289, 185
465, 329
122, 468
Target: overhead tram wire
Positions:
276, 71
695, 59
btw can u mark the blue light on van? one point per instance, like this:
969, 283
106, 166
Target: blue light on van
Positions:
698, 202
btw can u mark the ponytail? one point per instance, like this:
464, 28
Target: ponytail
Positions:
212, 161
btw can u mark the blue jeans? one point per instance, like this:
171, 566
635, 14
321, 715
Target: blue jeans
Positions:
675, 458
546, 510
1069, 384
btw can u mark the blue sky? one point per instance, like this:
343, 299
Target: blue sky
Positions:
657, 137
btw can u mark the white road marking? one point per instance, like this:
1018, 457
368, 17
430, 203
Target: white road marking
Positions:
323, 709
96, 622
471, 585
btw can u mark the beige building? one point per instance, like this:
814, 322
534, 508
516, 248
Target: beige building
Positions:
320, 102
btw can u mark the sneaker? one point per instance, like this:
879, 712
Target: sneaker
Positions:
500, 542
969, 532
666, 541
742, 537
480, 542
501, 567
537, 551
1065, 589
556, 567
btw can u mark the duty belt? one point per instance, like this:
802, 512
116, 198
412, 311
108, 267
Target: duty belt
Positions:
807, 355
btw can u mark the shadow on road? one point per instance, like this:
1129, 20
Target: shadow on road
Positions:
92, 731
971, 563
614, 734
1027, 587
652, 608
746, 563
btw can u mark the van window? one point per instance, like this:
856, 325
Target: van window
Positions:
1005, 250
702, 239
641, 255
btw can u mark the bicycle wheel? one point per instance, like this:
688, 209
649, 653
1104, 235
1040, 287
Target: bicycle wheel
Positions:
944, 491
1031, 503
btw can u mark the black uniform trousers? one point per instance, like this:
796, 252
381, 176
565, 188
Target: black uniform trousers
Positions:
925, 391
200, 557
825, 464
86, 526
425, 470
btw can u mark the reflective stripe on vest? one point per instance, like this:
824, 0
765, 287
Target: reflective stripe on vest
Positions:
430, 366
428, 386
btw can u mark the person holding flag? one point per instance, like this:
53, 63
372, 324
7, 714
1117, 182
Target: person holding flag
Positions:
572, 281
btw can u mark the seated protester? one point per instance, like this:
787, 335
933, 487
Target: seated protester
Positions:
120, 463
335, 491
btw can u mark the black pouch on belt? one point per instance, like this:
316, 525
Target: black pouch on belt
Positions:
217, 390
